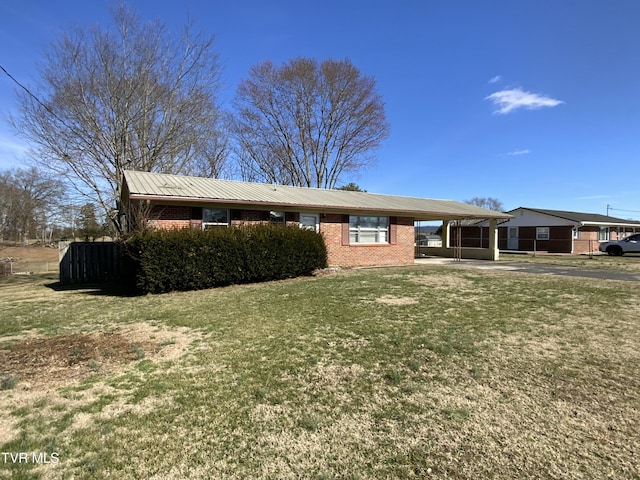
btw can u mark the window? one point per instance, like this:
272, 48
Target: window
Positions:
276, 217
214, 217
603, 234
368, 229
542, 233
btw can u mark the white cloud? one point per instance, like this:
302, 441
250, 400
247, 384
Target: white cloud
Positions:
496, 79
525, 151
508, 101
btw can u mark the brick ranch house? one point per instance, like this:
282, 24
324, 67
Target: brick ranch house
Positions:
360, 229
553, 231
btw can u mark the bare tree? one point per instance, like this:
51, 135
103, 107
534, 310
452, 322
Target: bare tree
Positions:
307, 123
489, 203
29, 200
133, 97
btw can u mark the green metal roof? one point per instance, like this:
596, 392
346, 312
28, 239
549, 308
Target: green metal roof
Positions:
176, 188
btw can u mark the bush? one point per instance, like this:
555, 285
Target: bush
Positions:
189, 259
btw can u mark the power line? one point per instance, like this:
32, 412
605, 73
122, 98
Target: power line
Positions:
621, 210
609, 207
31, 94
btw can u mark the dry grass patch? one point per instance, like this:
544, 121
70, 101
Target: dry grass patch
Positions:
391, 300
49, 362
42, 366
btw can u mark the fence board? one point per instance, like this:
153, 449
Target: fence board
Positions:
89, 262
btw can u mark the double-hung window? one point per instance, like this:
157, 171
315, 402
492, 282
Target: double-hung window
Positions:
366, 229
603, 234
542, 233
215, 217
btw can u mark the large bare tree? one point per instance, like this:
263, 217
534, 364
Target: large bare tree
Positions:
135, 96
307, 123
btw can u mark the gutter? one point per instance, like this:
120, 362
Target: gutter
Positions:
610, 224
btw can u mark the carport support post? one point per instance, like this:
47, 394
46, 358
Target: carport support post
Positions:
494, 253
446, 233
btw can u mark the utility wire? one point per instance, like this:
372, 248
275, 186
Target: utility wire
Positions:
621, 210
31, 94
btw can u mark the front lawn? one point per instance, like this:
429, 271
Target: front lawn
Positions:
415, 372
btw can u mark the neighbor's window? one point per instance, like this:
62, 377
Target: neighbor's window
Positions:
276, 217
542, 233
603, 234
214, 217
576, 233
363, 229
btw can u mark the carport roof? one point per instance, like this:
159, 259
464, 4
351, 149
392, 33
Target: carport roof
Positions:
198, 190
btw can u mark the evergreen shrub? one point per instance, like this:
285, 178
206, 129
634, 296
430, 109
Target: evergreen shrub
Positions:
160, 261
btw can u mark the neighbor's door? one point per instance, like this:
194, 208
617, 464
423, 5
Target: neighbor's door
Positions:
512, 238
310, 221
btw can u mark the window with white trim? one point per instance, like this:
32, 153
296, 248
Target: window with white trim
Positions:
214, 217
368, 229
542, 233
603, 234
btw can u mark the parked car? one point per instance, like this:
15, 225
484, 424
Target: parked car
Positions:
629, 244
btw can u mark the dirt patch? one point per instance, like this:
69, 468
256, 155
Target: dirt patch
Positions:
42, 362
55, 359
33, 368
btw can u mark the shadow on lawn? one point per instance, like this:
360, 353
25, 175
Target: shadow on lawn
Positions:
108, 289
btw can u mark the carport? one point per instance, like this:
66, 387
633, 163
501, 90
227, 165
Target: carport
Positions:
452, 238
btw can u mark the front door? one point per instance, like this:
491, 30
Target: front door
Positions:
512, 238
310, 221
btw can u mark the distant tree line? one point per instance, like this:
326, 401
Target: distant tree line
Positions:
34, 205
489, 203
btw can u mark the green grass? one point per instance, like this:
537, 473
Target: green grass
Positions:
379, 373
626, 263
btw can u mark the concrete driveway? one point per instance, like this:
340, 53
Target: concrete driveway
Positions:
536, 268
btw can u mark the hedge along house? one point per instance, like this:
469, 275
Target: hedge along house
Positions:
554, 231
360, 229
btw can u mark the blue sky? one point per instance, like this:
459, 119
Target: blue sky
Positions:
536, 103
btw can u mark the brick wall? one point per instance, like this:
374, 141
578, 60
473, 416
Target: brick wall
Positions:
340, 253
399, 251
170, 216
559, 239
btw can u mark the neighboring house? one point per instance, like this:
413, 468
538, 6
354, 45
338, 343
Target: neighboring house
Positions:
360, 229
553, 231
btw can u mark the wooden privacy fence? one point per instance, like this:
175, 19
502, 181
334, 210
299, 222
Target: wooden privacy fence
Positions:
89, 262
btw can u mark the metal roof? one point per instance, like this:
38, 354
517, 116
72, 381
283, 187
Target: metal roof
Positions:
176, 188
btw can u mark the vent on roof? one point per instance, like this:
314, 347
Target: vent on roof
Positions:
169, 186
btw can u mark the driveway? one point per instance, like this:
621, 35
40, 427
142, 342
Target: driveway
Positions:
536, 268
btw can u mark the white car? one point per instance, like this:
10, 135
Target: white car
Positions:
629, 244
